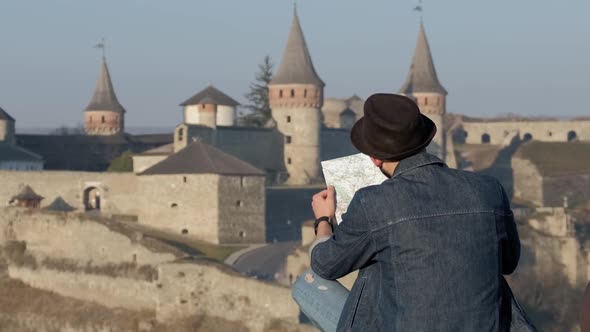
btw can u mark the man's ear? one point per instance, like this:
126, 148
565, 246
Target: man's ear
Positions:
377, 162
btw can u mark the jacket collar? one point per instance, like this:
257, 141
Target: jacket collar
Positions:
415, 161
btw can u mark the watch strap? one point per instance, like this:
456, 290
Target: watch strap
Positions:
319, 220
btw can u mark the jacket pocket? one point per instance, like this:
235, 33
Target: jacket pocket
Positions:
357, 301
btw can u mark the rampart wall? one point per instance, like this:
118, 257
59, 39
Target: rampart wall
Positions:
180, 289
118, 190
546, 131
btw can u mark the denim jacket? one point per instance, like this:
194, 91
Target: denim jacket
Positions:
431, 244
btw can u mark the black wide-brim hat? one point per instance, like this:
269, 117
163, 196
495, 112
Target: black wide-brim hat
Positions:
392, 128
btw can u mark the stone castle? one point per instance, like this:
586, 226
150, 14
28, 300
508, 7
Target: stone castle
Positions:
304, 130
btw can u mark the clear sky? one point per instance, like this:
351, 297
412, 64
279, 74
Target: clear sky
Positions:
530, 57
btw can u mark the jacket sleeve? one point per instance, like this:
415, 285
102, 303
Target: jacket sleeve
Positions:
350, 247
510, 243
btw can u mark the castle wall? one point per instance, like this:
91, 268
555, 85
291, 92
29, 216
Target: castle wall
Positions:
550, 239
182, 289
546, 131
73, 238
242, 216
335, 143
187, 289
181, 202
108, 291
118, 190
331, 111
287, 208
528, 183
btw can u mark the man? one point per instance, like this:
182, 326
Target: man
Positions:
430, 243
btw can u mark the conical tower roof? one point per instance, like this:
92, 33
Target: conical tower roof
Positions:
104, 98
210, 95
60, 205
27, 193
296, 66
422, 76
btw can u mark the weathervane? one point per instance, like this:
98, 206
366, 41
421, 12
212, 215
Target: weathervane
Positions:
419, 8
102, 45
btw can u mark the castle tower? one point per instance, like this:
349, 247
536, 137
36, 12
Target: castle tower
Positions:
210, 107
104, 115
296, 95
423, 86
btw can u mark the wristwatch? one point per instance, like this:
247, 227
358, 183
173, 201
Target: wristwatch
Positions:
319, 220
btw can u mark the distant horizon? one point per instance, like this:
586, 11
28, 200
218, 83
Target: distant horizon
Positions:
493, 58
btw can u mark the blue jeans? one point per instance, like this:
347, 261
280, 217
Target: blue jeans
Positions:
322, 301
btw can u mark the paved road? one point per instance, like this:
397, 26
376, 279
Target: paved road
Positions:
265, 261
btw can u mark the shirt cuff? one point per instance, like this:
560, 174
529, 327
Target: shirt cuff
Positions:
318, 241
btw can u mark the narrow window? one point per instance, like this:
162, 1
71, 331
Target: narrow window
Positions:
292, 93
203, 107
280, 93
239, 203
289, 161
425, 101
173, 205
184, 179
180, 134
242, 181
305, 93
288, 119
102, 119
288, 139
184, 231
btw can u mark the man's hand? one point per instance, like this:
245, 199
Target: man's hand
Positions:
324, 203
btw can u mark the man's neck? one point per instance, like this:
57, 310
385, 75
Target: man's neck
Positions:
388, 168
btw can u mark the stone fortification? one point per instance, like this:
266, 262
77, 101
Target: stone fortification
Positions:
495, 132
118, 190
77, 239
236, 298
81, 258
551, 245
210, 207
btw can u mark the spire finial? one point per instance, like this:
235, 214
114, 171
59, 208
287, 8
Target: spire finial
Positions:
420, 8
102, 45
295, 7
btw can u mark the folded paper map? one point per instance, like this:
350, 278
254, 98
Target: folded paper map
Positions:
349, 174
